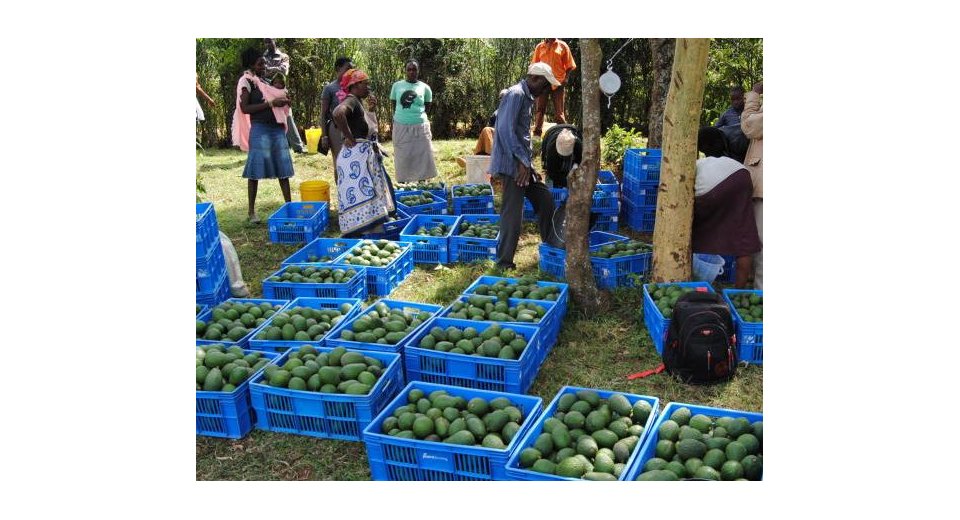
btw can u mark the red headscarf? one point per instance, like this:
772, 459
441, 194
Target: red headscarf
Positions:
350, 77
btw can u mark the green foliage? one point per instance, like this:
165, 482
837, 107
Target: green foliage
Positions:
732, 61
201, 190
615, 143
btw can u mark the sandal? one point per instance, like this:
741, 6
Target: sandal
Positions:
254, 219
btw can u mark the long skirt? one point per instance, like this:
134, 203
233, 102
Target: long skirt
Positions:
269, 155
412, 152
363, 189
723, 218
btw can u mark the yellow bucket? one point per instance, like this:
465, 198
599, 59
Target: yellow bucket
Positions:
313, 139
315, 190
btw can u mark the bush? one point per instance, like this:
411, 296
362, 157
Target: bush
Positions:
614, 144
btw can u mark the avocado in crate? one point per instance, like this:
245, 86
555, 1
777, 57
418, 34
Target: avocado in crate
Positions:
303, 323
526, 287
222, 369
336, 372
749, 306
311, 274
472, 190
372, 253
494, 341
488, 231
417, 200
690, 444
422, 185
588, 437
383, 325
491, 308
621, 249
665, 297
444, 418
233, 321
440, 230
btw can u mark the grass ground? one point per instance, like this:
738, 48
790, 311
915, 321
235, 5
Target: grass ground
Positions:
592, 351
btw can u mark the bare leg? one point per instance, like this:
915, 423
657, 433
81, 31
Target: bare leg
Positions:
744, 270
285, 188
251, 197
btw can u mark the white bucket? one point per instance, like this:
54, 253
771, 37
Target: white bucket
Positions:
477, 169
706, 268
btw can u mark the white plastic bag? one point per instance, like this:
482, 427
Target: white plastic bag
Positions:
238, 289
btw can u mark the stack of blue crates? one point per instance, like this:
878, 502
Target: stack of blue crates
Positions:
606, 202
641, 180
213, 286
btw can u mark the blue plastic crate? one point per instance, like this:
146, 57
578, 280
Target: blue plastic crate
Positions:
355, 287
321, 247
430, 249
381, 281
648, 449
391, 230
484, 373
515, 472
611, 273
749, 334
640, 194
656, 324
327, 416
553, 261
435, 208
549, 324
605, 203
472, 249
642, 164
244, 341
640, 218
393, 458
228, 414
313, 303
490, 280
210, 271
202, 309
218, 295
607, 182
479, 205
729, 274
606, 223
559, 197
439, 193
334, 340
208, 233
297, 222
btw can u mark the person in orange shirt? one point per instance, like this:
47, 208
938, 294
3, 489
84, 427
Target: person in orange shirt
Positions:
556, 53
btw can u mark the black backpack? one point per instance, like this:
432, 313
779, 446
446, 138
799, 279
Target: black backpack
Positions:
701, 346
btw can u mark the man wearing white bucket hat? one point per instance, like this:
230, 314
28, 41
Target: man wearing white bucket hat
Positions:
562, 148
511, 162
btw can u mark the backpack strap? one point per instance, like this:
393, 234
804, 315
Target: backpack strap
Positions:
646, 373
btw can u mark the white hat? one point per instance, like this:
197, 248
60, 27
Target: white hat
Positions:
542, 69
565, 142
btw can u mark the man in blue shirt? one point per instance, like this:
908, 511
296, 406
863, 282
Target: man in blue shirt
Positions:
732, 116
511, 162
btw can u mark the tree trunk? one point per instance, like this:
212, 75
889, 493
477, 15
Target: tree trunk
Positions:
581, 182
681, 121
662, 50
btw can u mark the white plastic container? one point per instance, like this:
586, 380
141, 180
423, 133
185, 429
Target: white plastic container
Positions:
477, 168
706, 268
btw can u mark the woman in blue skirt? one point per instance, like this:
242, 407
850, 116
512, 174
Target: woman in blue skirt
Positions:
268, 156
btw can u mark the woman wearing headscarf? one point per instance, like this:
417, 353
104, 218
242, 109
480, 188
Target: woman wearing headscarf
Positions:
259, 128
364, 191
413, 153
723, 218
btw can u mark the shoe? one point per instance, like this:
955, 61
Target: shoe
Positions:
461, 162
254, 219
506, 267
